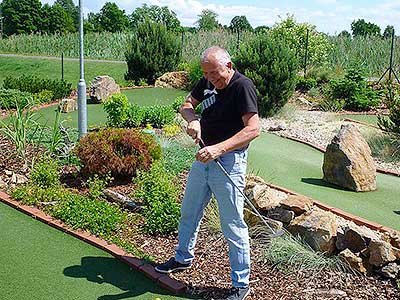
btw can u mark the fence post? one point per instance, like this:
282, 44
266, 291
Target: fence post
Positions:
62, 65
306, 54
391, 57
238, 40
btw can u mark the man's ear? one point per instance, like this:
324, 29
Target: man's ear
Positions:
229, 65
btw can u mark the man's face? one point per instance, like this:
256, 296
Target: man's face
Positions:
218, 75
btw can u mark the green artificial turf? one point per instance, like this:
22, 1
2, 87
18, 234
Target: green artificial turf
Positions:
369, 119
40, 262
51, 68
98, 117
299, 168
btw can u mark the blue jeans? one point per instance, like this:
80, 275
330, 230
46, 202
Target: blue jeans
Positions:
206, 179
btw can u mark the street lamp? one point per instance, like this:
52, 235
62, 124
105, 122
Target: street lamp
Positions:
82, 111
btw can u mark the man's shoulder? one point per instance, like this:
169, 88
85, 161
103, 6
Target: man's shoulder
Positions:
242, 81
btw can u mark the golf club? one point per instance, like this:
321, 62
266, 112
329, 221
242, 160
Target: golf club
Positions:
275, 233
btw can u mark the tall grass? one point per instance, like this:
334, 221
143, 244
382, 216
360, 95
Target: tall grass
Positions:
372, 53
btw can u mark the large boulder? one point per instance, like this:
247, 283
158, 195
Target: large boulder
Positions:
318, 228
68, 105
297, 203
348, 162
102, 87
177, 80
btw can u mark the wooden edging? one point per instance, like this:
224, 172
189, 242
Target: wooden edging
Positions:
172, 285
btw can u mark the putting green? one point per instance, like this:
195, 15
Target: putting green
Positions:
40, 262
369, 119
299, 168
98, 117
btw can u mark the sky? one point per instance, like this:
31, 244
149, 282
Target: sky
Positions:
329, 16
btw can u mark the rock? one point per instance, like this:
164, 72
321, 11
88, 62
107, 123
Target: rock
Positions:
381, 253
178, 80
392, 237
277, 126
318, 228
68, 105
348, 162
354, 237
297, 203
8, 172
281, 214
253, 219
355, 262
263, 196
390, 270
18, 179
102, 87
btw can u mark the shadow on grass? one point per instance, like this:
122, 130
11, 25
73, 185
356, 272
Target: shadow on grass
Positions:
110, 270
320, 182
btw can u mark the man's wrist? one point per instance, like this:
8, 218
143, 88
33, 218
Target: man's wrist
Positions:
193, 119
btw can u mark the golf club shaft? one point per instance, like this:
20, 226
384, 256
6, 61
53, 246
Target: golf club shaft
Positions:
254, 209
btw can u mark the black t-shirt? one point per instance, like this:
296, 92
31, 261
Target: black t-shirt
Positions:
222, 110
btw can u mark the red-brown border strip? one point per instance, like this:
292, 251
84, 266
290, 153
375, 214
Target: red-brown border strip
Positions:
172, 285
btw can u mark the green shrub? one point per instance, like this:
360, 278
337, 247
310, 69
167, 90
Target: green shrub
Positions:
44, 96
176, 105
354, 90
118, 151
32, 194
34, 84
10, 98
135, 116
45, 173
178, 158
392, 123
159, 115
152, 51
116, 107
159, 193
195, 72
272, 68
80, 212
96, 185
305, 84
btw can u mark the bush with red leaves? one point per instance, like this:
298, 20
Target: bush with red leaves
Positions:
119, 151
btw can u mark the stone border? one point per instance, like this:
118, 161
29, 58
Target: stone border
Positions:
172, 285
358, 220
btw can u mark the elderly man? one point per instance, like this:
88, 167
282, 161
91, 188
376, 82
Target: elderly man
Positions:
229, 121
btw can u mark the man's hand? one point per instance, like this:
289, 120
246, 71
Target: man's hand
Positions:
209, 153
194, 130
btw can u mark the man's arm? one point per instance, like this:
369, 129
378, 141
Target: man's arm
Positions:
188, 113
241, 139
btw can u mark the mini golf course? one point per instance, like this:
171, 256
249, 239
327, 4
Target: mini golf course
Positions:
40, 262
298, 167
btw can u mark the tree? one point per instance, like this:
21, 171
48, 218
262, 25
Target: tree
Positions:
344, 34
240, 23
71, 10
156, 14
21, 16
261, 29
112, 19
92, 23
208, 20
388, 32
55, 19
362, 28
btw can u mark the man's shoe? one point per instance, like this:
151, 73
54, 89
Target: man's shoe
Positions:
172, 266
238, 293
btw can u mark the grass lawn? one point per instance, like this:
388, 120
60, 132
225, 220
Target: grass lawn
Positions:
51, 68
299, 168
40, 262
98, 117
